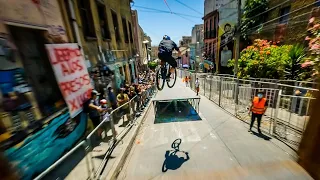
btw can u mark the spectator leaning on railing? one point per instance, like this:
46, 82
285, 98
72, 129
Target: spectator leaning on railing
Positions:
94, 109
123, 98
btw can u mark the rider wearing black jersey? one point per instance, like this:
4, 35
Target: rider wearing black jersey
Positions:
165, 49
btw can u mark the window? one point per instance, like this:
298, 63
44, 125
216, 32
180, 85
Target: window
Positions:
207, 30
66, 3
105, 33
284, 15
115, 25
86, 19
125, 30
130, 31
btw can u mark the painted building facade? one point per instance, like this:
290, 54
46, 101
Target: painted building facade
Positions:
28, 89
106, 34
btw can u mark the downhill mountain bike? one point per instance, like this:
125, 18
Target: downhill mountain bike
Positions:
162, 76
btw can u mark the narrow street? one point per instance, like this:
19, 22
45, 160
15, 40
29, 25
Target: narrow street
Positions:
216, 147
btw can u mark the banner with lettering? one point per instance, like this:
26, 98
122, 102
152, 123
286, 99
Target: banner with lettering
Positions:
71, 73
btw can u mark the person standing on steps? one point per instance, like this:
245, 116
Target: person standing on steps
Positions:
197, 86
258, 108
186, 80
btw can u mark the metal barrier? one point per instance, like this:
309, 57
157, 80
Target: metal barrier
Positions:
127, 111
287, 114
63, 158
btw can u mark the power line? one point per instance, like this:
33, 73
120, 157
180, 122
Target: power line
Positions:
257, 8
278, 23
289, 13
167, 5
272, 26
189, 7
270, 9
177, 14
186, 18
159, 10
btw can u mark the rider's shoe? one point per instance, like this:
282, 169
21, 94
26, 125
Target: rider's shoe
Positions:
168, 77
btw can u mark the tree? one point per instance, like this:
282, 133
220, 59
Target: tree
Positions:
249, 17
152, 64
293, 68
263, 59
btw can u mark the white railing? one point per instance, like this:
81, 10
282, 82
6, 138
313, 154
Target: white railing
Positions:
134, 105
287, 114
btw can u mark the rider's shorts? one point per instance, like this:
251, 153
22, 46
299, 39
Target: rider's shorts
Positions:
168, 58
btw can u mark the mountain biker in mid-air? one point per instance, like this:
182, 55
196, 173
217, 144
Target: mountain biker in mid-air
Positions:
165, 49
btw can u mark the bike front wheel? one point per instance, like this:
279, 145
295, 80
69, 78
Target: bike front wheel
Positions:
173, 78
159, 79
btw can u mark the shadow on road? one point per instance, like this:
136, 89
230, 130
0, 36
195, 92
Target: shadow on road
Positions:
174, 158
265, 137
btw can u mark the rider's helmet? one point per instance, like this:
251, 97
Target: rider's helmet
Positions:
166, 37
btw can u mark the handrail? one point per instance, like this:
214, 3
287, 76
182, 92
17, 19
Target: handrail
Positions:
84, 143
54, 165
104, 120
122, 105
301, 97
264, 82
96, 128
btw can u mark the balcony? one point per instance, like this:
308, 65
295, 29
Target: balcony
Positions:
210, 34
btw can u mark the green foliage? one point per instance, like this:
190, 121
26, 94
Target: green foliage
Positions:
152, 64
293, 68
263, 60
249, 19
312, 62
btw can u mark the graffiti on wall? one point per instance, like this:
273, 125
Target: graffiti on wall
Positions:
226, 32
7, 52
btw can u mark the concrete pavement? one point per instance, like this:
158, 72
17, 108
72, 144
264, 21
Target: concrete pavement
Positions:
218, 147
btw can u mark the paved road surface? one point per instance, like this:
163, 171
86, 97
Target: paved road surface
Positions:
219, 147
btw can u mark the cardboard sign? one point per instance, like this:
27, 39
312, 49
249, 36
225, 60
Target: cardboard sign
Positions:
71, 73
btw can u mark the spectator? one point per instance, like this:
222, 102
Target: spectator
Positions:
94, 109
186, 80
123, 98
131, 92
197, 86
112, 98
126, 87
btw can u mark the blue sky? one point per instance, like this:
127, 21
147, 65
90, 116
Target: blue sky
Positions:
156, 24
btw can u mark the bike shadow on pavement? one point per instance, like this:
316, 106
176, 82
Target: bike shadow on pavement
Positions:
262, 136
174, 158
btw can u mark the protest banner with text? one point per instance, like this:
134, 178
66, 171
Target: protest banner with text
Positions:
72, 75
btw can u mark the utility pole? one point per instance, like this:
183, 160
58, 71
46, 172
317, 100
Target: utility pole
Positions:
238, 34
237, 55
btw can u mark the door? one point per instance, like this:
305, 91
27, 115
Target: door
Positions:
30, 43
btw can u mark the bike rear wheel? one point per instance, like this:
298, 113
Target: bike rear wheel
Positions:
173, 78
159, 79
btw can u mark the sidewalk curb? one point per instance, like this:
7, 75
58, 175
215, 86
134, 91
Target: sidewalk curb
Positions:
115, 170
